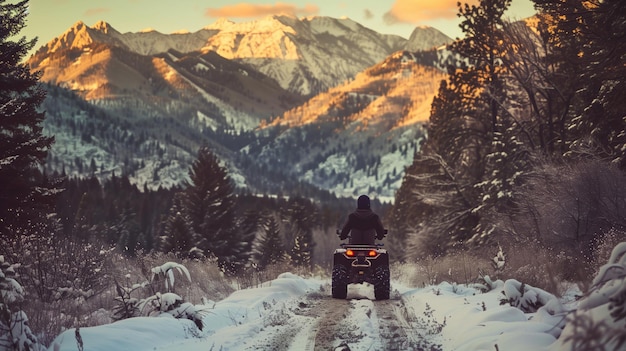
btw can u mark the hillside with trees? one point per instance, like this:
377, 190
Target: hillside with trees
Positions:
526, 142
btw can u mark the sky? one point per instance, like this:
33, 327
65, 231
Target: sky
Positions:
50, 18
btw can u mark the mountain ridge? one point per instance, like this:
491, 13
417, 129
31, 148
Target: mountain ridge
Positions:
359, 136
248, 116
295, 52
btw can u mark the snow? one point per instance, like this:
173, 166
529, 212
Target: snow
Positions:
253, 318
167, 270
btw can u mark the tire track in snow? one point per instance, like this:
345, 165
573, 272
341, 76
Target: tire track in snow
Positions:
357, 323
330, 314
402, 329
324, 316
337, 324
395, 330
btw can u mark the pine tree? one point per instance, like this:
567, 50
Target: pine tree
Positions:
23, 147
302, 250
471, 143
301, 218
177, 234
130, 238
210, 205
15, 334
269, 247
588, 40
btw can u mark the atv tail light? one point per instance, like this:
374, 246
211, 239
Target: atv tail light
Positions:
372, 253
350, 253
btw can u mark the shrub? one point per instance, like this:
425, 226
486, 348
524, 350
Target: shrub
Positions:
600, 322
15, 334
524, 297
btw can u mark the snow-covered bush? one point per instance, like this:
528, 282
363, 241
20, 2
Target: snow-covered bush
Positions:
165, 272
55, 268
127, 306
486, 284
15, 334
499, 260
173, 305
604, 245
600, 322
159, 303
276, 316
524, 297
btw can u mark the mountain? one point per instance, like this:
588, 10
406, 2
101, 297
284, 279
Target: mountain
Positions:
143, 43
357, 137
205, 90
306, 55
312, 54
92, 141
296, 52
142, 103
424, 38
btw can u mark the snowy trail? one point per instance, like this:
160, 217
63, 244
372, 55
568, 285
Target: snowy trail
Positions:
320, 333
294, 313
361, 323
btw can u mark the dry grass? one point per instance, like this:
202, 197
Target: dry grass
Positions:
460, 267
532, 264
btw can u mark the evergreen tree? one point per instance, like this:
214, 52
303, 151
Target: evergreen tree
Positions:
504, 158
210, 205
588, 40
248, 228
15, 334
472, 157
23, 147
130, 238
300, 216
302, 250
177, 235
269, 247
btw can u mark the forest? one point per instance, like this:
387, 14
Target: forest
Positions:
526, 144
525, 153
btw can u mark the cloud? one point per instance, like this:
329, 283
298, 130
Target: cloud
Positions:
368, 14
415, 11
96, 11
246, 10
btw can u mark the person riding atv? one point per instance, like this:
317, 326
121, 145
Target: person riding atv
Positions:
363, 225
361, 260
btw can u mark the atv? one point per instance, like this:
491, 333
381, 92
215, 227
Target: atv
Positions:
358, 264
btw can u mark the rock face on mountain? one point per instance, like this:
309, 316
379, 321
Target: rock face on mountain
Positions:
425, 38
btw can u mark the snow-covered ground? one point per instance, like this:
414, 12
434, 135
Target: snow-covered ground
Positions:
296, 313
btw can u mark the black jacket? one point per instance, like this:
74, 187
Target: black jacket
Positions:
364, 225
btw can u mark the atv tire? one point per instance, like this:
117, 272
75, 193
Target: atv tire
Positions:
340, 282
381, 283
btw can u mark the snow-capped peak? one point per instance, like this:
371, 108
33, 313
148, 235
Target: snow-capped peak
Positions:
425, 37
221, 24
147, 30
